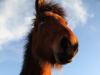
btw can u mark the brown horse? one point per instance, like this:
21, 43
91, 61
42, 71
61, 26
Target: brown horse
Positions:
50, 42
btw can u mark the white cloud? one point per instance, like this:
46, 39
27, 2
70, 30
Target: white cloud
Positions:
15, 19
81, 11
5, 34
77, 12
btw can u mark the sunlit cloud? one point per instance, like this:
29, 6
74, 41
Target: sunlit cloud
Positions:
15, 20
81, 12
76, 11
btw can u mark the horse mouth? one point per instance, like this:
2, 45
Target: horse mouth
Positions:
66, 56
63, 58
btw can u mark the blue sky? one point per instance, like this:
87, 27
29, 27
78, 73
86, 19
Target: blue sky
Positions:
83, 18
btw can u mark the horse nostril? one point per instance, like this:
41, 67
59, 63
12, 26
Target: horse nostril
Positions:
64, 44
75, 47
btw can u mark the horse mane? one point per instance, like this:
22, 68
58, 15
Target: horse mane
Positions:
47, 7
52, 7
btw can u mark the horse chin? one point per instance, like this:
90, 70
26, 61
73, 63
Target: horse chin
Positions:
62, 59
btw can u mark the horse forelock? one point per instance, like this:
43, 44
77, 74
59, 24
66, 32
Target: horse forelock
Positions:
53, 7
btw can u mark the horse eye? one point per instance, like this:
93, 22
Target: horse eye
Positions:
41, 23
53, 30
41, 26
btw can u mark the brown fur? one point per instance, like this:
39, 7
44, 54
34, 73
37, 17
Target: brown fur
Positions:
50, 42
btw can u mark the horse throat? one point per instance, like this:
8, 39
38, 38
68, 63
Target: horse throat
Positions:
32, 67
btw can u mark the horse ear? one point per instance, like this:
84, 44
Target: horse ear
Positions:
39, 4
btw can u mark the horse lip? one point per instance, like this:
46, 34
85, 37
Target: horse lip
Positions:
66, 62
63, 60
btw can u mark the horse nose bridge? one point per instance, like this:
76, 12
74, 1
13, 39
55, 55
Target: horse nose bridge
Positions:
73, 39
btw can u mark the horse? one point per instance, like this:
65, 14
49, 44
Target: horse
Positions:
50, 42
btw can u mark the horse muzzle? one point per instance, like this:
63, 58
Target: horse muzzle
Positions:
66, 51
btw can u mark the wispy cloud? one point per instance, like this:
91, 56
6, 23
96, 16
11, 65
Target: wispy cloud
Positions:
81, 11
15, 18
77, 12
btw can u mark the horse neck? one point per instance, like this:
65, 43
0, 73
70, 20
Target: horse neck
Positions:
46, 69
33, 68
